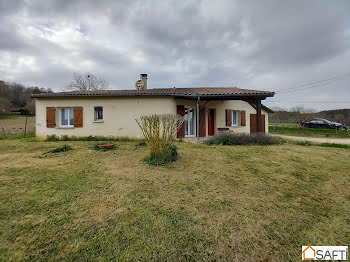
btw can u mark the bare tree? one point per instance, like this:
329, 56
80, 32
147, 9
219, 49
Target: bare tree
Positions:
87, 82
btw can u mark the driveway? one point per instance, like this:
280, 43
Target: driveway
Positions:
318, 140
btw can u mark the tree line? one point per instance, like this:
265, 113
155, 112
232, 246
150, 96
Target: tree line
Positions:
299, 114
15, 97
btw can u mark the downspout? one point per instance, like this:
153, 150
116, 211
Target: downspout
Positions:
197, 118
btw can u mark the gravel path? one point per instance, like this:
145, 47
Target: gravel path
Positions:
320, 140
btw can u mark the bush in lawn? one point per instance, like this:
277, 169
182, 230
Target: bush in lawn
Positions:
305, 143
65, 138
52, 138
159, 130
141, 144
166, 157
244, 139
64, 148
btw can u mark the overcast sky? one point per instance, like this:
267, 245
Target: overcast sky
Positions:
267, 45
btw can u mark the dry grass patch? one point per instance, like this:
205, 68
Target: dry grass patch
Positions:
16, 125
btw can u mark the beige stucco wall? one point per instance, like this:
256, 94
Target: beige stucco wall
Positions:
119, 115
220, 113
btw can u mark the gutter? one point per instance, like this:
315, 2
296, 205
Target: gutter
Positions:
179, 96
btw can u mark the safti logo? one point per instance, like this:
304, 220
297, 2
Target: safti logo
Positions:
325, 252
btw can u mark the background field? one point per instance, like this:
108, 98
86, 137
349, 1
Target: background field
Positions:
295, 130
15, 124
241, 203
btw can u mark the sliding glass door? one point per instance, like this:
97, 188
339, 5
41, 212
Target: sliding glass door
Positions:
190, 122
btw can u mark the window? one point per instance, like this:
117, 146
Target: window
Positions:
98, 113
190, 122
67, 116
234, 118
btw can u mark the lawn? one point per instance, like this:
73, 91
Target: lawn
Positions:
238, 203
295, 130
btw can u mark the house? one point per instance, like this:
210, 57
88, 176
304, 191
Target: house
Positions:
207, 110
309, 253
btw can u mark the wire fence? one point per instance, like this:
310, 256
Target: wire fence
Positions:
18, 125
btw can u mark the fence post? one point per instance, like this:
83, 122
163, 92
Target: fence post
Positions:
25, 127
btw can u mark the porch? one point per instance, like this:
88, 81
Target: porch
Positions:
209, 117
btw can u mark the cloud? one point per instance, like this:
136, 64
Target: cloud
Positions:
269, 45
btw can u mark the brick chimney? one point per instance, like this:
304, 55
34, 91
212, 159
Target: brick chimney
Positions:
144, 79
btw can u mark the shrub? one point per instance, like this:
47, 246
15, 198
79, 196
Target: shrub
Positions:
164, 158
63, 148
335, 145
244, 139
141, 144
104, 147
304, 143
159, 131
65, 138
52, 138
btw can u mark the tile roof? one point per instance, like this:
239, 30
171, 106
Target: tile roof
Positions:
177, 92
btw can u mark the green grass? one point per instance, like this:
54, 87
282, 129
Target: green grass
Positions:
215, 203
295, 130
14, 116
17, 136
335, 145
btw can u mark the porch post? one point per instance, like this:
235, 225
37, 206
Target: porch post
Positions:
197, 119
258, 115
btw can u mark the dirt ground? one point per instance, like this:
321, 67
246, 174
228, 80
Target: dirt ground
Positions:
318, 140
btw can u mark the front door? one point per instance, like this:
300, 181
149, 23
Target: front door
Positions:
211, 121
190, 122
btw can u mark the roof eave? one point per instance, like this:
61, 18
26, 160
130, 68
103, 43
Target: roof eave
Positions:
192, 96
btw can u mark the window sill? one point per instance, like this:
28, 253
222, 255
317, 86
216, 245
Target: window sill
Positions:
65, 127
98, 121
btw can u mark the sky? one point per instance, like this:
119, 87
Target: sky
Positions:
264, 44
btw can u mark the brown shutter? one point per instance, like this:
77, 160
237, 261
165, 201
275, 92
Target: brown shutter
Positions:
254, 123
228, 117
50, 117
181, 111
263, 123
78, 116
202, 131
243, 118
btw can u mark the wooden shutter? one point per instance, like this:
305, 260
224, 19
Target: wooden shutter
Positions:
180, 109
202, 131
50, 117
243, 121
254, 123
263, 123
78, 116
228, 117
